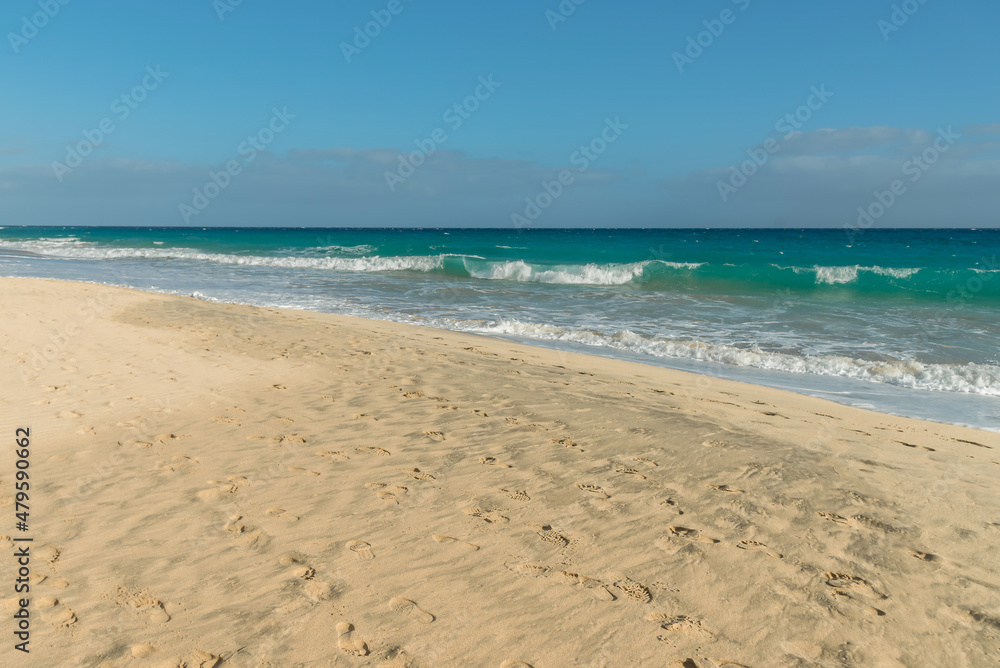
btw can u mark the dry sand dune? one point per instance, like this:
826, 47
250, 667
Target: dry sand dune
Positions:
218, 485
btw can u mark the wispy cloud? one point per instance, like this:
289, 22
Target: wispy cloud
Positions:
336, 186
988, 129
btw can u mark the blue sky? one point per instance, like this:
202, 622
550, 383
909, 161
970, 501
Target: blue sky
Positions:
680, 131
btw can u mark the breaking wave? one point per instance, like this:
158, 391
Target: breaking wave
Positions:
983, 379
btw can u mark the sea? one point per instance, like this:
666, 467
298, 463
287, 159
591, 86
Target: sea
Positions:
902, 321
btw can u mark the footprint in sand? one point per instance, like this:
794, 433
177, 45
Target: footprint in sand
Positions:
529, 570
565, 442
387, 493
693, 628
49, 553
516, 495
318, 591
725, 488
844, 581
408, 607
514, 663
671, 504
143, 604
493, 461
634, 590
754, 546
142, 651
54, 613
598, 588
436, 435
61, 617
335, 456
833, 517
362, 549
417, 474
593, 489
923, 556
690, 534
449, 539
299, 468
489, 516
647, 462
282, 513
178, 463
629, 471
348, 643
249, 536
380, 452
554, 537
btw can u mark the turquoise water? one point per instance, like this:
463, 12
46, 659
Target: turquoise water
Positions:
905, 321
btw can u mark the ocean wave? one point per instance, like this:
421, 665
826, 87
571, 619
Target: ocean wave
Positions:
362, 249
372, 263
968, 378
587, 274
651, 274
453, 264
849, 274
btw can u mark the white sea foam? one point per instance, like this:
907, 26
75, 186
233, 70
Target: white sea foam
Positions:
363, 249
895, 273
85, 250
983, 379
849, 274
836, 275
477, 266
586, 274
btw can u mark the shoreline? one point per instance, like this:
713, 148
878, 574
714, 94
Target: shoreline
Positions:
236, 486
757, 377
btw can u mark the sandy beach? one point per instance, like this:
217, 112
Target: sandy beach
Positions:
224, 485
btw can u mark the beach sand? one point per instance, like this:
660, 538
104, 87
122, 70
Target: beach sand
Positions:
225, 485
